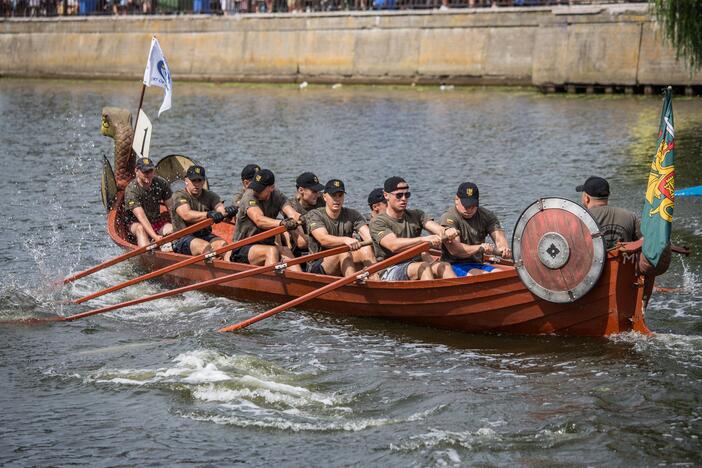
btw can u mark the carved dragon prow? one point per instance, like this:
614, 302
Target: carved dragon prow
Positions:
117, 124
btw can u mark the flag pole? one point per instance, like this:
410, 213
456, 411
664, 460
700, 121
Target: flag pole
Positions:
141, 102
141, 98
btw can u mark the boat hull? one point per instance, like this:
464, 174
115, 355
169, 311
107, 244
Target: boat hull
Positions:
497, 302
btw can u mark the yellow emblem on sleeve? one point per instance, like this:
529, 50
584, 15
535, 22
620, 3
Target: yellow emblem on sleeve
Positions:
252, 202
449, 221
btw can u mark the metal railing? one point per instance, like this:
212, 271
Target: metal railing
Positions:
43, 8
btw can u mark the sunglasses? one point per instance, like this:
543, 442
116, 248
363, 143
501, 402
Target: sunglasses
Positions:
400, 195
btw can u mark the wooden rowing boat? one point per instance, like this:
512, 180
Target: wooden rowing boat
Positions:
497, 302
564, 282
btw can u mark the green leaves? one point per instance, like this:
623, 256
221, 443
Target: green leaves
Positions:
682, 21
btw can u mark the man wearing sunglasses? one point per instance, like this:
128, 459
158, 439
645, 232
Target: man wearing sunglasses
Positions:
142, 204
334, 226
473, 223
400, 228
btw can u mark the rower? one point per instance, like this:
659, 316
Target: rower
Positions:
399, 228
308, 197
192, 205
247, 175
376, 202
472, 224
142, 204
616, 224
334, 226
259, 207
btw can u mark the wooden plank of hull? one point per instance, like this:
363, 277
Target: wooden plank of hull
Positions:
496, 302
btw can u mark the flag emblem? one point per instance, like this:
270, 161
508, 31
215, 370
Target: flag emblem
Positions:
158, 74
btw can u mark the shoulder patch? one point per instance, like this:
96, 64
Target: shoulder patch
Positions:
183, 200
450, 220
252, 202
131, 202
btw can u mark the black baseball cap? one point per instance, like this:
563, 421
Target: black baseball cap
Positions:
376, 196
392, 183
595, 187
249, 171
468, 194
309, 181
263, 178
145, 164
334, 186
195, 172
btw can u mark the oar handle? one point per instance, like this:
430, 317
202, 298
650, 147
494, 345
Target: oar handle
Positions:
216, 281
404, 255
133, 253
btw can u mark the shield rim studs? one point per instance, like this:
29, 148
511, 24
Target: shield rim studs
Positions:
596, 268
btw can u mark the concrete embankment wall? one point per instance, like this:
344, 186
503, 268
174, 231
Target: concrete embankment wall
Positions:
608, 45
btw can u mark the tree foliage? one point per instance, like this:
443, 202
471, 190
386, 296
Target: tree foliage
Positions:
682, 21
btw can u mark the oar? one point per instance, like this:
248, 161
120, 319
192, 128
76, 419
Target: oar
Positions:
216, 281
407, 254
133, 253
689, 192
189, 261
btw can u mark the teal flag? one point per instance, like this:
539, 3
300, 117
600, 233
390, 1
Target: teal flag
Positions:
657, 216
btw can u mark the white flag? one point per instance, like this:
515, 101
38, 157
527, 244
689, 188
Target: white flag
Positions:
158, 74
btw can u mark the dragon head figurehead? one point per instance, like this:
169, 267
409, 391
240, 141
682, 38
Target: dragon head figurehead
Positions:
117, 124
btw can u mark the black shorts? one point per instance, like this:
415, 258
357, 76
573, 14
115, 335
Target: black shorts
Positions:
241, 255
315, 266
182, 245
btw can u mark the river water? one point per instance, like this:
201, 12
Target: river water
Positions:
155, 384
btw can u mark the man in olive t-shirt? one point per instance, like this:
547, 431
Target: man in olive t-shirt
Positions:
334, 226
258, 209
307, 197
247, 175
142, 203
473, 224
400, 228
617, 224
195, 204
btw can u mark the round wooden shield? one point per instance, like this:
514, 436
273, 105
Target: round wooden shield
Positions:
558, 250
174, 166
108, 184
